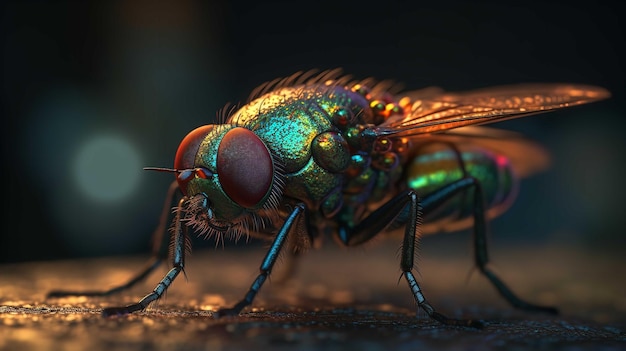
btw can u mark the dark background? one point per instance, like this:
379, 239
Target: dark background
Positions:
94, 91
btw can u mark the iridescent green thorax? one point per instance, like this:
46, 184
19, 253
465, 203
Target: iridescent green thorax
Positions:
304, 127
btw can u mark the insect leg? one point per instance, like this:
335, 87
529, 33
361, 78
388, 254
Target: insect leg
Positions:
158, 255
480, 239
376, 222
178, 262
290, 265
266, 265
481, 256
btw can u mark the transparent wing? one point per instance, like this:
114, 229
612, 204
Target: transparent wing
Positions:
434, 112
526, 156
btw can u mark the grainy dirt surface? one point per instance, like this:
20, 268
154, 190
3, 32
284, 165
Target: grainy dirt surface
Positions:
338, 300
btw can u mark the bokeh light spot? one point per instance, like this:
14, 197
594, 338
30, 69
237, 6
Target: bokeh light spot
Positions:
107, 168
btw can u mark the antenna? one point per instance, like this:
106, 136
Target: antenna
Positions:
162, 169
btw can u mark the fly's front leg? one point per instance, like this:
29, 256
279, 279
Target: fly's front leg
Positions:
178, 262
376, 222
266, 265
158, 255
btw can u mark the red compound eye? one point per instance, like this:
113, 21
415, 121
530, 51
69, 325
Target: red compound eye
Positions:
186, 154
244, 167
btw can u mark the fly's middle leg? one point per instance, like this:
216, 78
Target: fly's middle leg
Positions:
290, 266
376, 222
266, 265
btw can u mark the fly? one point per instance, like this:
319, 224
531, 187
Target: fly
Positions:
312, 154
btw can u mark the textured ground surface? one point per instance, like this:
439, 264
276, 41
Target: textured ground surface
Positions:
339, 300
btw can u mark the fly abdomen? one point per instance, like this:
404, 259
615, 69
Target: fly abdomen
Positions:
437, 164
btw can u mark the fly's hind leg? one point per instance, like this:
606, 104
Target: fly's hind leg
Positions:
158, 256
481, 256
437, 198
376, 222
